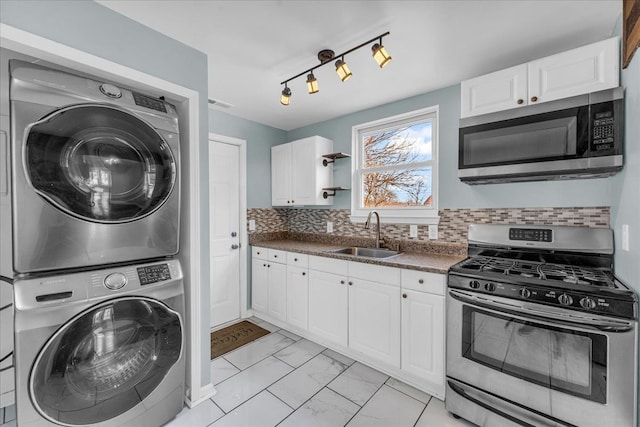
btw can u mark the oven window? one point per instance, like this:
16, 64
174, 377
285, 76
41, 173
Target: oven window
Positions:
573, 362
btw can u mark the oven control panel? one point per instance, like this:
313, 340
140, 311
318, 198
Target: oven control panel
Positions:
531, 234
558, 297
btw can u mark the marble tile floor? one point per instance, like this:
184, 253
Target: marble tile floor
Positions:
284, 380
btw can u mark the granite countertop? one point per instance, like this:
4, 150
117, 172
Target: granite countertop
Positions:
422, 261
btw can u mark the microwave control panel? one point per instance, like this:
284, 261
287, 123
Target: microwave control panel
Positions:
604, 128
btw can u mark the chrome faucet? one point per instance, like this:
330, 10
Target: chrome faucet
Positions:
368, 223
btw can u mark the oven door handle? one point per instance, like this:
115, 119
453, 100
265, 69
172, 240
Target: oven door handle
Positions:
526, 309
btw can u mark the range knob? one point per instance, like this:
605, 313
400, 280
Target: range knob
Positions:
565, 299
490, 287
525, 293
474, 284
588, 303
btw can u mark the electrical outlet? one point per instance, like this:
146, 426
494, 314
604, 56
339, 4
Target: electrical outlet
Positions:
413, 231
252, 225
329, 227
625, 237
433, 232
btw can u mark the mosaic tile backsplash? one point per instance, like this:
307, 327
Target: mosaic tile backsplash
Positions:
453, 225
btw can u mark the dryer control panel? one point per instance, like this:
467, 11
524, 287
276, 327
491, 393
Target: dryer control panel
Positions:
153, 273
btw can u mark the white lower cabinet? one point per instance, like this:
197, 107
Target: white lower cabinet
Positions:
374, 320
259, 285
298, 297
391, 318
328, 306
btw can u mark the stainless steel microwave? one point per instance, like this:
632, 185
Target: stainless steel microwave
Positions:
577, 137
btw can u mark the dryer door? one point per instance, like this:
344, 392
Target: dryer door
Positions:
105, 361
99, 163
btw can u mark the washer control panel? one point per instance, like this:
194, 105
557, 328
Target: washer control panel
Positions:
153, 273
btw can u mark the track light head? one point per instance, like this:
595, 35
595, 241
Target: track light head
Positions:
285, 99
343, 70
312, 83
380, 54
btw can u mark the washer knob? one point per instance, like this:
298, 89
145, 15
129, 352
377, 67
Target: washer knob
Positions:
525, 293
490, 287
474, 284
588, 303
110, 90
115, 281
565, 299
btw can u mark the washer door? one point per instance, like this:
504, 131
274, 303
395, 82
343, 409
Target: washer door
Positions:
105, 361
99, 163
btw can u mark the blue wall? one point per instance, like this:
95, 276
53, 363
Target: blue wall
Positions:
93, 28
260, 138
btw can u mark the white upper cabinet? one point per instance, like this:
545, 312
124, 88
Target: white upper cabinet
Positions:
297, 173
578, 71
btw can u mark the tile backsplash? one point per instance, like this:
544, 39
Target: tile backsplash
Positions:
452, 228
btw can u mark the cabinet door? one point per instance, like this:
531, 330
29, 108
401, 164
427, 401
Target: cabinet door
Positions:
374, 320
328, 306
259, 285
297, 297
281, 175
586, 69
303, 173
277, 290
492, 92
423, 336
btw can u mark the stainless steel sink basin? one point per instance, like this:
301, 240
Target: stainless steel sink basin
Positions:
366, 252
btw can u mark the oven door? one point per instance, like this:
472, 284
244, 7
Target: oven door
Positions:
572, 367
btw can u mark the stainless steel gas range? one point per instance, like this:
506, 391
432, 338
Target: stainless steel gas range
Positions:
539, 330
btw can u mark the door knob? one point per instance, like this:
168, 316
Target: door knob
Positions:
234, 234
234, 246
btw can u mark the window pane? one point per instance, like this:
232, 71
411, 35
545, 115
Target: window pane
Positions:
398, 146
397, 188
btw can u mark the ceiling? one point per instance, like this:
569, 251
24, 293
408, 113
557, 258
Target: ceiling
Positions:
252, 46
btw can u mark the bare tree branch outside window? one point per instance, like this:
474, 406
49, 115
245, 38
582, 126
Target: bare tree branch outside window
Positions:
401, 177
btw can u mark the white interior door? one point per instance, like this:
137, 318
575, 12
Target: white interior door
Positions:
224, 242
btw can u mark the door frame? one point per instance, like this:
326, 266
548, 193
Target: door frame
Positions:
31, 44
244, 241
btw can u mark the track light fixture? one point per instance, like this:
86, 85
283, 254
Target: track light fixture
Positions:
325, 56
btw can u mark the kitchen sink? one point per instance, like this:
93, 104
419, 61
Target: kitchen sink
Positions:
366, 252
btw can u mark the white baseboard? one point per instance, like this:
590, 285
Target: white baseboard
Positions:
206, 392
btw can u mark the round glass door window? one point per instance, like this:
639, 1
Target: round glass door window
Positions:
105, 361
99, 163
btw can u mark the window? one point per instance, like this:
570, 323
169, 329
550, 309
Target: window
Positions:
395, 168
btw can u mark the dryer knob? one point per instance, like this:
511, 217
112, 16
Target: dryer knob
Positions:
110, 90
115, 281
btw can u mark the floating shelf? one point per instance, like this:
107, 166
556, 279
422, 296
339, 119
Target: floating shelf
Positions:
326, 194
332, 157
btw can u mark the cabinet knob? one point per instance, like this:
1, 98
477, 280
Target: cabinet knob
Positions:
258, 253
268, 265
293, 201
304, 274
520, 101
275, 256
534, 98
421, 281
264, 265
350, 283
295, 259
342, 282
404, 295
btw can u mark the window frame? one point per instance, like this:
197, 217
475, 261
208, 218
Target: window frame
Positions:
397, 215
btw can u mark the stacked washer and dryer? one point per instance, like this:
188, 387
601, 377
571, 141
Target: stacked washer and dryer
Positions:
99, 335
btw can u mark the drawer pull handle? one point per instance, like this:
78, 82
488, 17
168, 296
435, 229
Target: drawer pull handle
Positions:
420, 281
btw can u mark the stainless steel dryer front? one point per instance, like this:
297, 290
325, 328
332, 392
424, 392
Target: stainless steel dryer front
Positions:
101, 348
95, 172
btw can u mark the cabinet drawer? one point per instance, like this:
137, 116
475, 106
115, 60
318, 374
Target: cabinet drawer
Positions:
299, 260
276, 255
332, 265
374, 273
259, 253
423, 281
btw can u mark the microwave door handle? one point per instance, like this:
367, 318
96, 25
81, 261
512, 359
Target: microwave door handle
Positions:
527, 311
